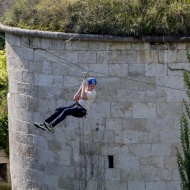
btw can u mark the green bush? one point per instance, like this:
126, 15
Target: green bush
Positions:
114, 17
4, 141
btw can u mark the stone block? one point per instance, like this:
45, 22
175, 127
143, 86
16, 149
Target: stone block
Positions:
76, 45
114, 124
112, 174
116, 185
134, 185
99, 69
114, 149
141, 150
144, 110
147, 56
105, 57
87, 57
60, 170
152, 96
176, 176
183, 56
129, 137
170, 136
42, 106
127, 57
53, 56
64, 183
126, 162
155, 69
152, 161
25, 116
161, 149
124, 110
177, 66
171, 109
28, 77
171, 162
130, 96
176, 95
69, 57
136, 69
45, 43
43, 80
138, 82
100, 109
117, 46
157, 185
57, 44
103, 136
167, 82
152, 136
97, 46
140, 46
130, 175
18, 76
134, 124
47, 67
168, 56
174, 185
106, 85
118, 69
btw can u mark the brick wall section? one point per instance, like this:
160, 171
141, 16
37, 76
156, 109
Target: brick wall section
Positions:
136, 123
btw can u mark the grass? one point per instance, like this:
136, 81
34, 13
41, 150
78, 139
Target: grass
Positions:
114, 17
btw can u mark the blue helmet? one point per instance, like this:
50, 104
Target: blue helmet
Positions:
92, 81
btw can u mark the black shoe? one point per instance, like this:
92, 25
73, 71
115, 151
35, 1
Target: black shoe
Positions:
40, 126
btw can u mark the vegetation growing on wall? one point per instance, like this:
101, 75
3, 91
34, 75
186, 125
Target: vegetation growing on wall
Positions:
183, 159
114, 17
4, 141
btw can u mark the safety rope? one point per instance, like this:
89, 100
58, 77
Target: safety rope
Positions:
90, 71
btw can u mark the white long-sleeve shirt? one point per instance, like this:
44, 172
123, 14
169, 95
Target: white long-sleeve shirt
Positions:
90, 98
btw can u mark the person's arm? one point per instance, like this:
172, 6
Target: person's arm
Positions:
77, 95
83, 93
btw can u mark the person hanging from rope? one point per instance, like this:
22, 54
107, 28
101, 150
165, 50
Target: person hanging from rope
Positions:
83, 99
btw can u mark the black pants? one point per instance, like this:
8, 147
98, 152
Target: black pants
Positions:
61, 113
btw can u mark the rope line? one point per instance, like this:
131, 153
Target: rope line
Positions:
34, 51
95, 72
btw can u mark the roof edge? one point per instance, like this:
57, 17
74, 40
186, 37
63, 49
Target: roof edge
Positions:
91, 37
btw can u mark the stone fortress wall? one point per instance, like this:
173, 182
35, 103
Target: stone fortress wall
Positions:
128, 139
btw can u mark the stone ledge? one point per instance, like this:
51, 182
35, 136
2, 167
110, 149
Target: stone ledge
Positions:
91, 37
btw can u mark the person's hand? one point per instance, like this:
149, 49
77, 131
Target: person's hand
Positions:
84, 83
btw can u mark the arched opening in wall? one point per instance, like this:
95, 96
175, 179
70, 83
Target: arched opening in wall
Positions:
3, 173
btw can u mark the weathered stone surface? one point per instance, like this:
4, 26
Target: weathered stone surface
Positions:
134, 119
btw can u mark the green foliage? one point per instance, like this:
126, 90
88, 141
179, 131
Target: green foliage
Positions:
4, 142
114, 17
2, 41
4, 134
183, 159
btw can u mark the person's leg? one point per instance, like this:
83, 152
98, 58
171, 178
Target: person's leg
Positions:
76, 111
57, 112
